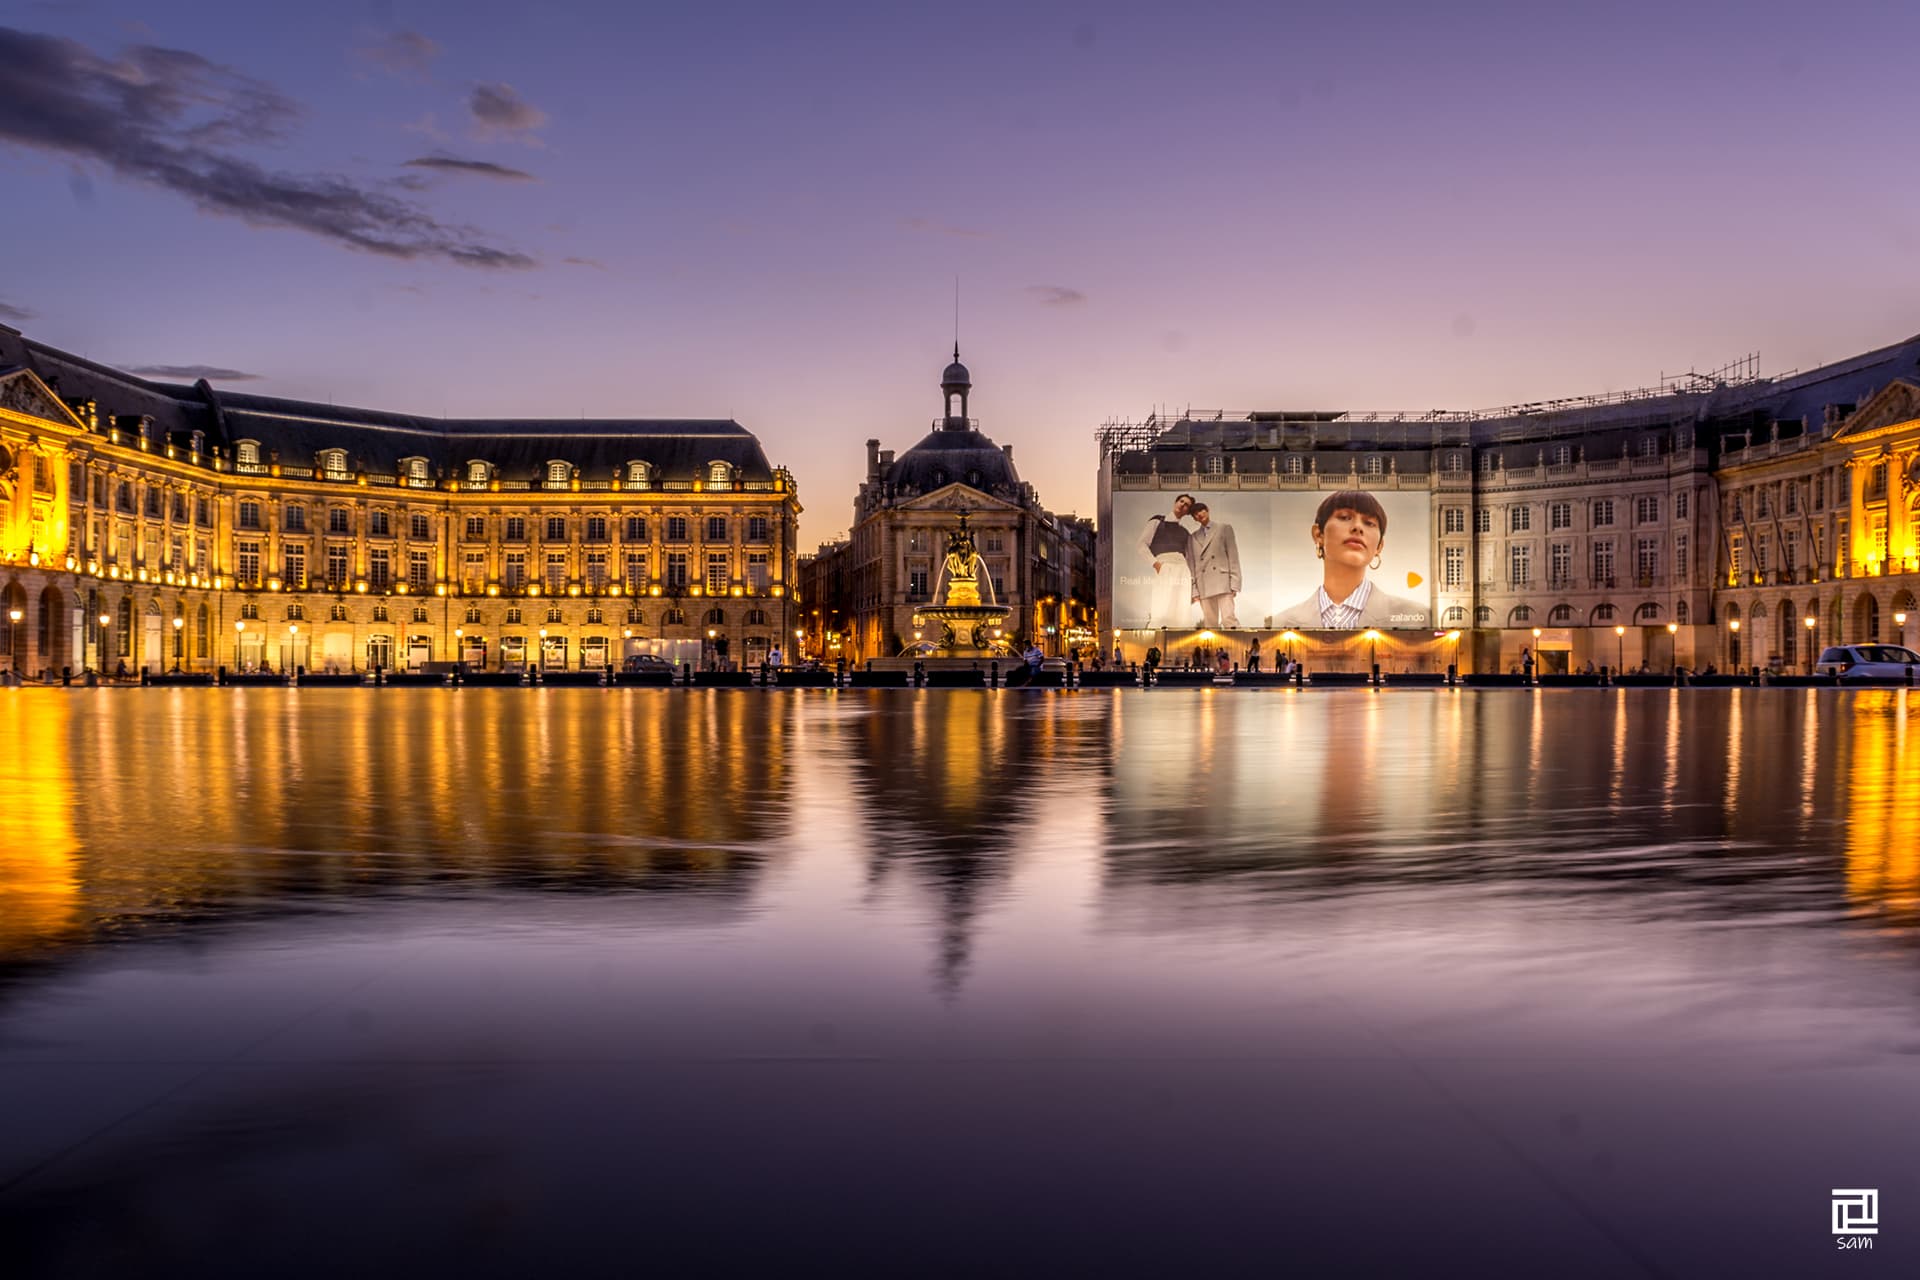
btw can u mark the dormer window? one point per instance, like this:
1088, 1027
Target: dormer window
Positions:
1650, 446
1562, 455
1294, 465
417, 469
247, 453
1455, 464
1374, 466
333, 464
1216, 465
1488, 462
719, 475
559, 473
476, 473
637, 477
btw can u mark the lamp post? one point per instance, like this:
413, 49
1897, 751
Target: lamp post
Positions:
179, 646
1733, 645
104, 620
1811, 623
239, 629
14, 617
1673, 645
1899, 620
1620, 641
293, 641
1373, 653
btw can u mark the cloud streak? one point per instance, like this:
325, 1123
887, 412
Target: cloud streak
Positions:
171, 119
1055, 295
193, 373
498, 109
401, 53
14, 315
471, 168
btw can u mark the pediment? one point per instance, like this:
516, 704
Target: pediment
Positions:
953, 496
22, 392
1896, 403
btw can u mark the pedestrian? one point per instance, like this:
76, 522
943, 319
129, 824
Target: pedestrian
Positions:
1253, 656
1526, 664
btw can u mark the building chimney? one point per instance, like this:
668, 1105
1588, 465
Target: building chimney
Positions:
1009, 449
873, 459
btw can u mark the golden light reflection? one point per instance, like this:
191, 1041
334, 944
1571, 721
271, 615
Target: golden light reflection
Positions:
39, 875
1883, 804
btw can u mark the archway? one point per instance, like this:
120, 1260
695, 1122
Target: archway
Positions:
1785, 642
1866, 621
1903, 616
1734, 649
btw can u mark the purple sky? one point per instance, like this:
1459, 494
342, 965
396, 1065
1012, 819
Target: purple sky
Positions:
758, 210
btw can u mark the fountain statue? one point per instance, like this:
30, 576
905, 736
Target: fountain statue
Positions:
967, 613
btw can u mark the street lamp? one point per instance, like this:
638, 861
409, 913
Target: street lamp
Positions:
104, 620
1899, 620
1373, 653
1809, 620
1620, 639
14, 617
239, 628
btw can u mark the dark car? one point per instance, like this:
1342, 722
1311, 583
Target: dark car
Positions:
647, 662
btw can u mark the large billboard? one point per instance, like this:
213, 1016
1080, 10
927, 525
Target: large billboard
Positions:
1262, 561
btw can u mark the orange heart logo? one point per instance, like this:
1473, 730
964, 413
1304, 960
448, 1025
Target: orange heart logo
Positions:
1414, 579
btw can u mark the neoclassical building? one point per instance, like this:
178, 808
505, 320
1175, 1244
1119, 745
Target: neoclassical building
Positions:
1724, 519
860, 594
159, 526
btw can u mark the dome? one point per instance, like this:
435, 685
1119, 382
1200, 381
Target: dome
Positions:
946, 457
956, 375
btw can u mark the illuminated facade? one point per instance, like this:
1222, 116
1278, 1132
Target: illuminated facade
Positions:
863, 595
1701, 522
161, 527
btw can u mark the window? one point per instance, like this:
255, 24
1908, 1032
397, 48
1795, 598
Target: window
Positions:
716, 528
556, 528
1488, 462
514, 575
1483, 520
917, 584
596, 616
1647, 613
636, 529
419, 570
1520, 519
636, 572
295, 519
1793, 497
247, 563
1877, 481
296, 568
556, 571
247, 453
1560, 615
637, 475
1483, 616
1877, 532
513, 615
179, 505
248, 515
1680, 505
1646, 509
46, 486
473, 572
1602, 513
379, 524
1739, 508
717, 573
1454, 573
1735, 559
516, 529
123, 496
419, 528
634, 616
250, 610
1559, 515
759, 576
1762, 508
339, 520
472, 614
1603, 613
333, 464
1603, 564
756, 528
476, 528
337, 565
476, 473
380, 569
1649, 446
1216, 465
1760, 556
336, 613
715, 618
1562, 455
1296, 465
676, 528
1680, 613
756, 617
419, 613
202, 511
1454, 616
719, 475
676, 569
1560, 563
558, 473
1373, 466
416, 468
553, 613
993, 542
596, 571
1521, 613
1453, 520
1646, 561
596, 528
1520, 565
1819, 491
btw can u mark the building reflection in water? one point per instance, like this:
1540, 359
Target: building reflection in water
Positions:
39, 871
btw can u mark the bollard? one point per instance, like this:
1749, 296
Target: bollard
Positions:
146, 678
919, 674
1453, 673
993, 675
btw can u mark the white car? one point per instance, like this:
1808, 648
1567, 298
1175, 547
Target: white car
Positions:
1868, 662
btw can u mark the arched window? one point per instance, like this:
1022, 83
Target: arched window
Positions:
1648, 612
756, 617
1295, 466
1455, 464
247, 453
1563, 455
1216, 465
1374, 466
1560, 615
553, 613
416, 468
1649, 446
1483, 616
1521, 613
637, 477
719, 475
716, 618
333, 464
476, 473
1603, 613
1487, 463
635, 617
200, 633
558, 473
1680, 613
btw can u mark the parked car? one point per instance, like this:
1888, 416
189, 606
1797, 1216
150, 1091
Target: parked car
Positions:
648, 662
1868, 661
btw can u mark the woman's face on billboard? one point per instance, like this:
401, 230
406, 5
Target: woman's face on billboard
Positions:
1351, 537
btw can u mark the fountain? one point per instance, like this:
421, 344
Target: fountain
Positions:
967, 614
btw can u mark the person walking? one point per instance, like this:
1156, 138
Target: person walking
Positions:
1526, 664
1253, 656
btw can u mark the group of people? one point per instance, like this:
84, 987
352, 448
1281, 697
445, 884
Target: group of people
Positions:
1199, 566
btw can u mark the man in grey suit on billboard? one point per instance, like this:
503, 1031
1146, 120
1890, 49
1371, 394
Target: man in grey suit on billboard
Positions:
1216, 570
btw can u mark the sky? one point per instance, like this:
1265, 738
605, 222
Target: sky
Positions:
760, 211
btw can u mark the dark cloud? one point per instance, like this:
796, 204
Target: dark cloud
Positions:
170, 118
595, 263
931, 227
475, 168
14, 315
193, 373
402, 53
498, 108
1056, 295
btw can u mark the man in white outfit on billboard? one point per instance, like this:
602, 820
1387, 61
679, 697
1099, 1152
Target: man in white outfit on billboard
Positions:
1216, 570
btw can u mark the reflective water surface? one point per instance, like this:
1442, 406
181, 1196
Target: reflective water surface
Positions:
1567, 982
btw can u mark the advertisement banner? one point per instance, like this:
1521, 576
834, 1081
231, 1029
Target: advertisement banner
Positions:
1261, 561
